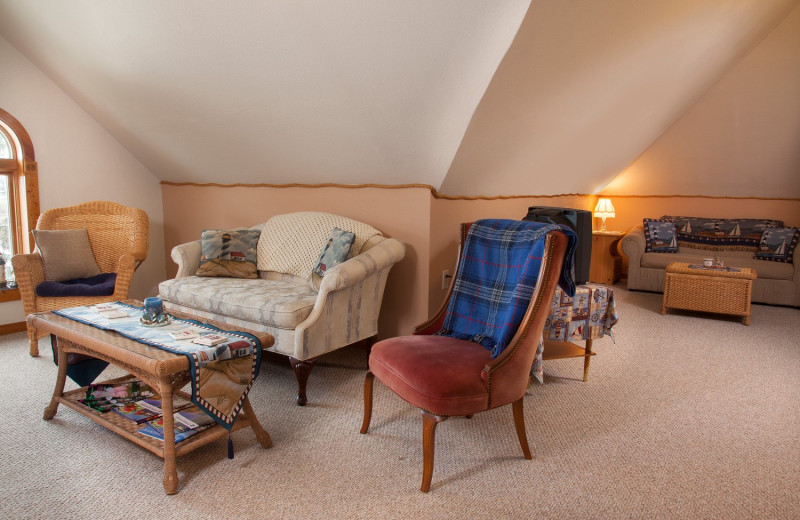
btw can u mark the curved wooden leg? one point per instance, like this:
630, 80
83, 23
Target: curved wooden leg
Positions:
61, 379
369, 378
587, 359
261, 434
429, 422
302, 369
519, 423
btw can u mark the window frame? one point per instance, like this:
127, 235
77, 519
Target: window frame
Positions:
23, 174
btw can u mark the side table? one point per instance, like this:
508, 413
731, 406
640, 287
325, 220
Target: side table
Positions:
588, 315
606, 266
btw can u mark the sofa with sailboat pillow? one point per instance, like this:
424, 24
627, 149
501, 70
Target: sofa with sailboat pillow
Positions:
766, 245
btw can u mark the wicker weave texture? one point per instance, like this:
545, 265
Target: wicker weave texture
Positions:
722, 292
119, 237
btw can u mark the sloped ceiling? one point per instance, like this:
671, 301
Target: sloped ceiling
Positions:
366, 91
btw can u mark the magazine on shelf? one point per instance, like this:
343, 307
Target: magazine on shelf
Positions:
147, 409
104, 396
188, 422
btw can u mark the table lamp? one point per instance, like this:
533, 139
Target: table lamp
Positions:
604, 209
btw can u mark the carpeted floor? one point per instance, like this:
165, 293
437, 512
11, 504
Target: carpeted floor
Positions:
685, 416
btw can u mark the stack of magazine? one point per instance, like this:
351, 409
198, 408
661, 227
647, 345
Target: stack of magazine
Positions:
137, 402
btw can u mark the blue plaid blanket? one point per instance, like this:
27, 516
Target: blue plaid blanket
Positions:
500, 264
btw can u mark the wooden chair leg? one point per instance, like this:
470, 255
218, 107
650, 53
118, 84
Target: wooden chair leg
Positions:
369, 378
302, 369
32, 333
429, 422
519, 423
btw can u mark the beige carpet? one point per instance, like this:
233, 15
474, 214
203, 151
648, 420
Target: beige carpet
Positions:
686, 416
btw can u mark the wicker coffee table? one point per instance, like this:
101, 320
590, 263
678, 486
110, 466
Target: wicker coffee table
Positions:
708, 290
163, 371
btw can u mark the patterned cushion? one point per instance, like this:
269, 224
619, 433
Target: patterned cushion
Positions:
716, 234
660, 236
777, 244
229, 253
290, 243
268, 302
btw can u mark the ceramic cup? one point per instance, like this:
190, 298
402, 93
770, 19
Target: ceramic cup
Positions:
708, 262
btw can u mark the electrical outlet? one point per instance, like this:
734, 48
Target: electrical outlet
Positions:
446, 279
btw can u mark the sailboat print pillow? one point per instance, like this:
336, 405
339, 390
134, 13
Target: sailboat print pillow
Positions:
777, 244
660, 236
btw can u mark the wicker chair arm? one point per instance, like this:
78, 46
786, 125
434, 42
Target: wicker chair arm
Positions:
29, 272
127, 265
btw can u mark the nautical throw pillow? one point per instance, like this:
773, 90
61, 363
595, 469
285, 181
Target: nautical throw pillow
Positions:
66, 254
229, 253
777, 244
334, 252
660, 236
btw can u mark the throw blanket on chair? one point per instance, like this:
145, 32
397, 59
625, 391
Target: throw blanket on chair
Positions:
222, 374
500, 264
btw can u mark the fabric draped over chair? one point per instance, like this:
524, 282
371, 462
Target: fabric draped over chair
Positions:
476, 353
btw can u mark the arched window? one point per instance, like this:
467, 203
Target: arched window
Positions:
19, 189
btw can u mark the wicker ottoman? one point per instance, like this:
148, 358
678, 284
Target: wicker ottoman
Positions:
708, 290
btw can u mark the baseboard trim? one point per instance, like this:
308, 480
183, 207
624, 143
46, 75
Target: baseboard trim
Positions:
11, 328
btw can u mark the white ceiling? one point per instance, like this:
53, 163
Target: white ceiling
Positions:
469, 96
348, 91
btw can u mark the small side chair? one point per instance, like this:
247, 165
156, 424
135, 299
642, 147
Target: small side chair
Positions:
119, 240
450, 368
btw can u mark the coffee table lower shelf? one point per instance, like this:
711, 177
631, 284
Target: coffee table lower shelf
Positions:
128, 429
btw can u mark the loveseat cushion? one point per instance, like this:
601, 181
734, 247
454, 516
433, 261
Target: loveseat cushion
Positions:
291, 243
275, 303
764, 270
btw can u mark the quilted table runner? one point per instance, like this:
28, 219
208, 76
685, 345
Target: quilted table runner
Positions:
222, 374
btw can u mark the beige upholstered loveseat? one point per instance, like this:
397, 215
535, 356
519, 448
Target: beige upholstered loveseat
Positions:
308, 316
776, 283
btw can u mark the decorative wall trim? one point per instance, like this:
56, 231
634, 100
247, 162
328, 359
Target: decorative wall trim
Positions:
438, 195
11, 328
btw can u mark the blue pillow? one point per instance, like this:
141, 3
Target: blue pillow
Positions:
777, 244
229, 254
335, 250
100, 285
660, 236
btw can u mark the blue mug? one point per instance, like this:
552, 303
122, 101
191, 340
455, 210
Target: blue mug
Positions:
153, 311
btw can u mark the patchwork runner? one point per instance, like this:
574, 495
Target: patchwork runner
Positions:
222, 374
496, 279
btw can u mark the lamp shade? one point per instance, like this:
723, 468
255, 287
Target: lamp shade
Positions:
604, 209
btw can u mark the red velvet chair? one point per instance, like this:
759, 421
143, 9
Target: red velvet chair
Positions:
445, 376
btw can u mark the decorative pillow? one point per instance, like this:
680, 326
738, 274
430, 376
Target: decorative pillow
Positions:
100, 285
334, 252
229, 253
66, 254
660, 235
777, 244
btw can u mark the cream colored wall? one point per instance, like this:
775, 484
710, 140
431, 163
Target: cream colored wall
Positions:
78, 161
402, 213
741, 138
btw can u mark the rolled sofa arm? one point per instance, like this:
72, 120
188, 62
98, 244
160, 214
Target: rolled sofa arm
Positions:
187, 256
382, 255
633, 245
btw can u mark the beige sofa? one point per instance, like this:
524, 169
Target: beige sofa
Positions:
777, 282
307, 319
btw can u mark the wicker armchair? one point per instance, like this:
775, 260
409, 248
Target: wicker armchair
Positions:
119, 238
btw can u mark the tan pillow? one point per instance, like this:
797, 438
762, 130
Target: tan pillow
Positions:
66, 254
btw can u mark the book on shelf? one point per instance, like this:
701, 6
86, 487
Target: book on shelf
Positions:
210, 340
188, 422
104, 396
147, 409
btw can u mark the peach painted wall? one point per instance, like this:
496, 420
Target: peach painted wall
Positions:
401, 213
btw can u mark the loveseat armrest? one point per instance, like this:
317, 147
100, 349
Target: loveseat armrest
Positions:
633, 244
383, 255
187, 256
